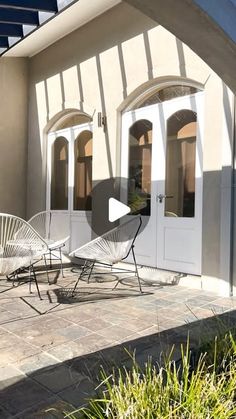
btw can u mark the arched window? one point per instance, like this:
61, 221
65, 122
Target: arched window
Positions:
59, 174
83, 171
71, 120
180, 163
140, 156
166, 93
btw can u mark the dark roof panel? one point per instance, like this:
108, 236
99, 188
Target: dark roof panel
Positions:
33, 5
18, 15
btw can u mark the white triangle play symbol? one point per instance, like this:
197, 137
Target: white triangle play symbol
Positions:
117, 210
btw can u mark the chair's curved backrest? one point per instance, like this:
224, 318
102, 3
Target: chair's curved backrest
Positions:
113, 246
19, 244
48, 225
41, 222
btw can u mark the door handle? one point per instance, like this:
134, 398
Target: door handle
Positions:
160, 197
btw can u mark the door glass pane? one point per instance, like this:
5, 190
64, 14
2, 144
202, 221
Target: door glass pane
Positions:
180, 164
140, 157
83, 172
59, 177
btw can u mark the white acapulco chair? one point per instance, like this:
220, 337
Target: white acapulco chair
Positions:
20, 247
48, 228
109, 249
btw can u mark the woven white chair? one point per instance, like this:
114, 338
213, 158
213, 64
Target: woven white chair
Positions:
20, 247
109, 249
49, 229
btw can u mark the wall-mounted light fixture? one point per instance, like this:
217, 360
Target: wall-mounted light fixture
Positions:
102, 120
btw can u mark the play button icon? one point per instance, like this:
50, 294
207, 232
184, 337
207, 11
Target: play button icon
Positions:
112, 206
117, 210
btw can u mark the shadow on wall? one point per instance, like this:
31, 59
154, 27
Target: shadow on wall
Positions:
95, 77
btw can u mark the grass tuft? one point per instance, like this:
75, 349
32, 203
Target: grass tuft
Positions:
201, 389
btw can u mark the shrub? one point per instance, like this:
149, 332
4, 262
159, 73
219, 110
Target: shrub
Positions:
174, 390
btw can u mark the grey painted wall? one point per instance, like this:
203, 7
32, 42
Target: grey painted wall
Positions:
105, 32
200, 29
13, 134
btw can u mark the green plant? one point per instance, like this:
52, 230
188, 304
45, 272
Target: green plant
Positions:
136, 202
172, 391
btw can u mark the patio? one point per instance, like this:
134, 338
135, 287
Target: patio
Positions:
51, 351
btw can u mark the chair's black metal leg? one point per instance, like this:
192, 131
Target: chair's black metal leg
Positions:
50, 258
116, 285
90, 273
73, 292
30, 280
84, 272
36, 283
79, 277
46, 267
62, 272
13, 282
136, 270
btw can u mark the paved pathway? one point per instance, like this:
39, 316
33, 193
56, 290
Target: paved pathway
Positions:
51, 351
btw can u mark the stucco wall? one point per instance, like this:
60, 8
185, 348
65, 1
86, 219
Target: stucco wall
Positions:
13, 134
100, 67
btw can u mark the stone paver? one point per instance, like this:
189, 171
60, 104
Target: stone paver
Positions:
51, 351
26, 394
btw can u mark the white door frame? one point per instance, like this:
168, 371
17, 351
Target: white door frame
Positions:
79, 228
187, 231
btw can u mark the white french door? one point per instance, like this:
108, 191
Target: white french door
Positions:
69, 181
168, 137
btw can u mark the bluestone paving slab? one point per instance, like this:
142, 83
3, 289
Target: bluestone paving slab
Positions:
2, 331
4, 414
22, 395
74, 315
18, 308
58, 377
8, 339
116, 332
226, 302
73, 332
68, 351
7, 316
41, 410
81, 346
16, 353
201, 313
22, 322
47, 340
135, 324
151, 330
9, 376
171, 323
78, 394
95, 324
215, 308
116, 317
61, 345
34, 363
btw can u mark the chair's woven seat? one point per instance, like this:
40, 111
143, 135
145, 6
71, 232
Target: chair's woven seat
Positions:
20, 245
110, 248
48, 226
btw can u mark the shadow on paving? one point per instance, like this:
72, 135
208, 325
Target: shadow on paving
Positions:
72, 382
93, 294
